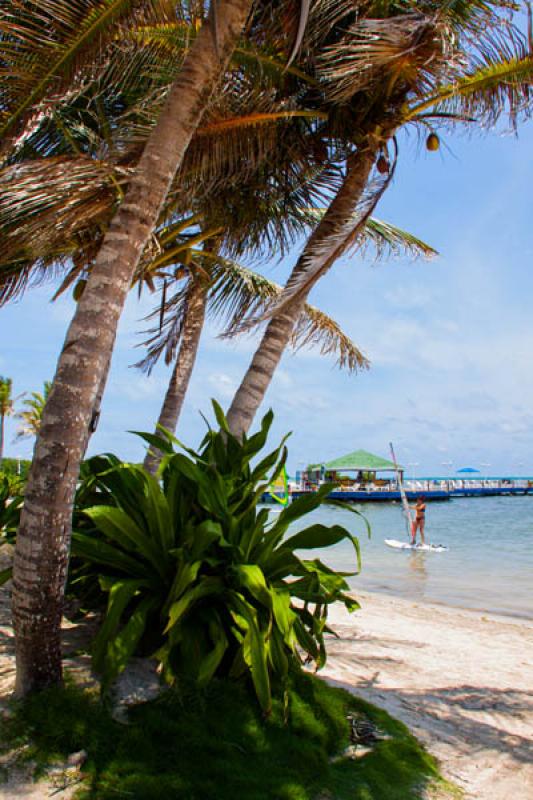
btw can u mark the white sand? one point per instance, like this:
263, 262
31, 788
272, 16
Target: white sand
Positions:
462, 681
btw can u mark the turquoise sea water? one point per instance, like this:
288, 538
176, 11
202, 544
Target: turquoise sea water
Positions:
488, 567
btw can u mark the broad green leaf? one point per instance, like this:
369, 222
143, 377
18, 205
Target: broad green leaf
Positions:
348, 507
211, 662
283, 614
298, 508
123, 645
158, 442
116, 524
6, 575
261, 470
204, 535
209, 586
99, 552
253, 535
157, 514
251, 577
317, 536
185, 576
305, 639
304, 505
278, 654
255, 652
120, 594
280, 564
256, 442
220, 417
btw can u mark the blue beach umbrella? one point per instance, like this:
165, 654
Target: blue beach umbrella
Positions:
468, 469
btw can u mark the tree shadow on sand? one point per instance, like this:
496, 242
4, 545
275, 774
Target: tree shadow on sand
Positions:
463, 714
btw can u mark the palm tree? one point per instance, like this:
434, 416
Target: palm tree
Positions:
32, 415
383, 68
41, 555
228, 290
80, 350
6, 408
231, 293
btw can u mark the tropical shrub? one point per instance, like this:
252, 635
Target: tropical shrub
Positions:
196, 573
15, 468
10, 506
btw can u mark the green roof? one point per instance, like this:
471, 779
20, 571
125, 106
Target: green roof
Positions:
358, 460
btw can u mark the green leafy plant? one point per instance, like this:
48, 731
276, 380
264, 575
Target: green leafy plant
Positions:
10, 506
15, 468
195, 572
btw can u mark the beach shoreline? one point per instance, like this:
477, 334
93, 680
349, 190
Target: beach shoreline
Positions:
461, 680
438, 605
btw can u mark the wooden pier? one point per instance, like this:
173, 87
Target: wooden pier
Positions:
378, 495
433, 489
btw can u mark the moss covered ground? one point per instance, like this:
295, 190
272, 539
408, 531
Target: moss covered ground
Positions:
215, 745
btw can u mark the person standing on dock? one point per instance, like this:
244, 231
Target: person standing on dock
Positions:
420, 519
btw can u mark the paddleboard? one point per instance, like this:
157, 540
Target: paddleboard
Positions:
432, 548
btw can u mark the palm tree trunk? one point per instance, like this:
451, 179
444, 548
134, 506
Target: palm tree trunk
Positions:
322, 249
181, 374
2, 428
43, 541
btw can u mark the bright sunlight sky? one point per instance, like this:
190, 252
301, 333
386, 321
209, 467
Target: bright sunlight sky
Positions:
450, 341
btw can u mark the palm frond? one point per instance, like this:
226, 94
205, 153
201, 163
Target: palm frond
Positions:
305, 7
164, 339
378, 53
339, 229
179, 35
388, 240
485, 94
314, 328
52, 208
235, 292
237, 123
42, 44
32, 414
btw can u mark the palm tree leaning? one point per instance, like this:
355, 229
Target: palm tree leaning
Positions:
386, 68
231, 292
6, 408
43, 540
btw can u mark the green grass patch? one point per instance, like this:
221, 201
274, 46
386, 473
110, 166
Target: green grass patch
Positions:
192, 745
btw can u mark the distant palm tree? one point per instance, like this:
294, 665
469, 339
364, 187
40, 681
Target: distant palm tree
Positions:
31, 416
6, 407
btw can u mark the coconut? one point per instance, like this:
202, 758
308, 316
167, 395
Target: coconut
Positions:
433, 142
79, 289
382, 165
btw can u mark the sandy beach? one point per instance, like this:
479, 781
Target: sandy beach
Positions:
460, 680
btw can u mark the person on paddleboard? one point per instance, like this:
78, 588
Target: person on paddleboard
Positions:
420, 519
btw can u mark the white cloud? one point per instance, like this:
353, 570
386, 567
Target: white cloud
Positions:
222, 386
409, 297
137, 388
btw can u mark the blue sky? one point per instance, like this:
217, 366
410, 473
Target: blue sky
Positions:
450, 341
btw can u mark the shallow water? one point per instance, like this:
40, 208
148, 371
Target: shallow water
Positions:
488, 567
